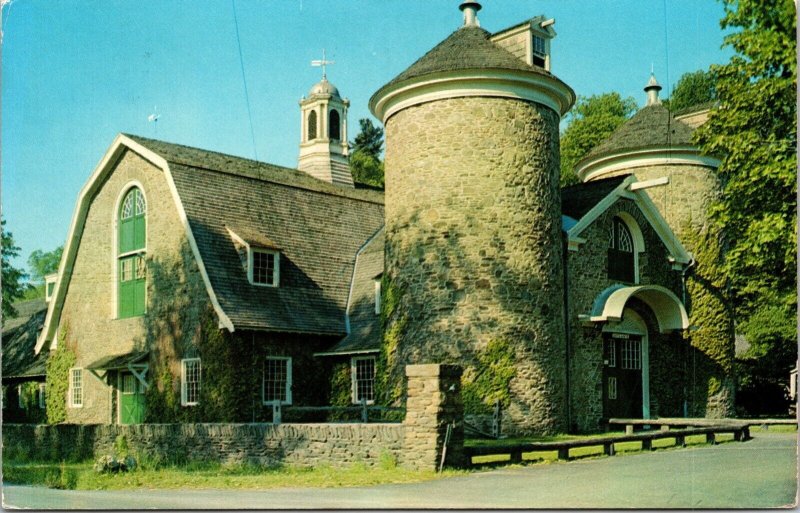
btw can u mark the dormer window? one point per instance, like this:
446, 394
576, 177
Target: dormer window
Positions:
377, 296
264, 268
49, 286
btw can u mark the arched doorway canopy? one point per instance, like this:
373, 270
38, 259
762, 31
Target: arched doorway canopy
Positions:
668, 309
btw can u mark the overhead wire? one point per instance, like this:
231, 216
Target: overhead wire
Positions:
244, 80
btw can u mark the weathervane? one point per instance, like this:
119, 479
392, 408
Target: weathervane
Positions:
322, 62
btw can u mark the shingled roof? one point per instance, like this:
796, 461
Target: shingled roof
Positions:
579, 199
318, 226
19, 339
653, 126
365, 324
469, 47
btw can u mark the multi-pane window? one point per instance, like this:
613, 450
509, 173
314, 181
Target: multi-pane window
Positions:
334, 125
538, 45
611, 356
190, 381
631, 354
620, 252
131, 273
363, 375
76, 388
264, 267
277, 385
42, 397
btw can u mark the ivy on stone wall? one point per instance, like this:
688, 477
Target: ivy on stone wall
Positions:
711, 315
59, 363
341, 394
490, 380
390, 380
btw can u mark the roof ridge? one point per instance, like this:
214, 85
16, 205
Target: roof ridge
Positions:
255, 169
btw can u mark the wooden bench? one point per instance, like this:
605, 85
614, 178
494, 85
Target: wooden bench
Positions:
562, 448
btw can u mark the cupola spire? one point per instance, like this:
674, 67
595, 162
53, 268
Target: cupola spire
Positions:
470, 10
652, 88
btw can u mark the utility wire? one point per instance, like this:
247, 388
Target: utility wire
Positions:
244, 80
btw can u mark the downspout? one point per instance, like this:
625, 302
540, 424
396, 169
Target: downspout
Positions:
567, 334
684, 273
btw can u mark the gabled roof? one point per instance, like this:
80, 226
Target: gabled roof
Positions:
653, 126
469, 47
592, 198
318, 226
19, 339
364, 330
579, 199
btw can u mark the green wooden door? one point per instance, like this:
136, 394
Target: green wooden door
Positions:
131, 402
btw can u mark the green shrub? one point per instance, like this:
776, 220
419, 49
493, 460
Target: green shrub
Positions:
59, 363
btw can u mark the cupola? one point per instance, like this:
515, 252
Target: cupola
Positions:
323, 140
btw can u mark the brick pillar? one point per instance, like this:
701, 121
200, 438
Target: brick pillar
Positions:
434, 402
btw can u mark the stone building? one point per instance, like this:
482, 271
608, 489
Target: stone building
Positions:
197, 286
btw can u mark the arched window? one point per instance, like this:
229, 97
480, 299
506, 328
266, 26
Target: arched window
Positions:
621, 253
334, 125
131, 223
312, 125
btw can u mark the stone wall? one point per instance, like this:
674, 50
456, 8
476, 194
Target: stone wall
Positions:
434, 404
89, 315
473, 246
304, 445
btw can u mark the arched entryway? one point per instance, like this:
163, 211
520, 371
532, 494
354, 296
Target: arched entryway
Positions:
626, 343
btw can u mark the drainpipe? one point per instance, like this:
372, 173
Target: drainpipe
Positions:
567, 333
684, 273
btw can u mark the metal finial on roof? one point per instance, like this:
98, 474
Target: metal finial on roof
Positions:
470, 10
652, 88
322, 63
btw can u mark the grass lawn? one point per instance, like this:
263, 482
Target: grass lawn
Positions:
81, 476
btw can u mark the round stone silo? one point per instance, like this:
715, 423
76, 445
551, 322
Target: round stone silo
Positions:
474, 257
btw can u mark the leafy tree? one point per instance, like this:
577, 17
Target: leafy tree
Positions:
365, 162
12, 285
693, 88
590, 122
41, 263
369, 140
754, 133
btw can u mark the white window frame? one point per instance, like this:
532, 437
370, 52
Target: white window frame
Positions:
354, 382
377, 297
42, 392
184, 388
72, 388
612, 388
4, 396
50, 279
288, 384
276, 271
20, 401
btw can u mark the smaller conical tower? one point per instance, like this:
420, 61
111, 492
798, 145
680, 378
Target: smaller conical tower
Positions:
652, 88
323, 141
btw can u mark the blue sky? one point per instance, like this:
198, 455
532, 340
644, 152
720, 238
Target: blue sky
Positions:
74, 74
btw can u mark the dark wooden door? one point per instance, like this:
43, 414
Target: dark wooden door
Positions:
622, 376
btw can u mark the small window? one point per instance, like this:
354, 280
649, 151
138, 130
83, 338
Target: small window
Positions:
190, 381
312, 125
377, 297
76, 388
334, 125
42, 398
21, 397
612, 388
264, 267
611, 352
362, 372
539, 45
621, 263
631, 354
4, 397
277, 384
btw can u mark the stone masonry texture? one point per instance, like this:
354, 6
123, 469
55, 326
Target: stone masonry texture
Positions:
684, 203
473, 244
89, 316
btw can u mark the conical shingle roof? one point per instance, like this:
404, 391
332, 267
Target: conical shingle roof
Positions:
469, 47
652, 127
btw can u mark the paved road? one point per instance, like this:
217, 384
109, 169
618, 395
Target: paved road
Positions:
759, 473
